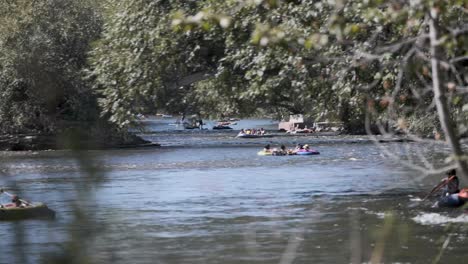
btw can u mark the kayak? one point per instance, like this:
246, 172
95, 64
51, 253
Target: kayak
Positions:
307, 152
253, 136
35, 210
454, 200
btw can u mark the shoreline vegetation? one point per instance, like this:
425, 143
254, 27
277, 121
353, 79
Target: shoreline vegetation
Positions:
38, 141
73, 140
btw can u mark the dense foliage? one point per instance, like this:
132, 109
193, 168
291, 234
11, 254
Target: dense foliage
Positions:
330, 60
43, 49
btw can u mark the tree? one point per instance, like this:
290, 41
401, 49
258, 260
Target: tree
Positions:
137, 64
236, 76
43, 46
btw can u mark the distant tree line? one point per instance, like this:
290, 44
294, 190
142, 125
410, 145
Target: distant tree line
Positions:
66, 61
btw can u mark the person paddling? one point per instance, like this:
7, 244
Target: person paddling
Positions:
451, 183
16, 201
450, 189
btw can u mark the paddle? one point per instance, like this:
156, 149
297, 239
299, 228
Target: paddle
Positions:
438, 187
11, 195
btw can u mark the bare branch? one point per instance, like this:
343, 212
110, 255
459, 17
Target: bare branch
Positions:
461, 90
457, 59
397, 46
459, 31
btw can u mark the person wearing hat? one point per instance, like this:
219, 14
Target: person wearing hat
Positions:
306, 147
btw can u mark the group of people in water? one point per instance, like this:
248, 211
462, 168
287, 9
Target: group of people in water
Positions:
284, 151
252, 131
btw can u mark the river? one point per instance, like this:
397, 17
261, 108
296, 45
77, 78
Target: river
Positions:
206, 197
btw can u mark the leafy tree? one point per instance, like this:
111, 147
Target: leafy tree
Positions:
140, 64
238, 77
43, 46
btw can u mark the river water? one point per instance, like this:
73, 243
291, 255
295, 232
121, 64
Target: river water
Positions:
206, 197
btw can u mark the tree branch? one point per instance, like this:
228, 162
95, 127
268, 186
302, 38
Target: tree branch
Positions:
441, 100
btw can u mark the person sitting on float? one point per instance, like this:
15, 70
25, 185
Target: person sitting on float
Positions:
276, 152
283, 149
298, 147
267, 148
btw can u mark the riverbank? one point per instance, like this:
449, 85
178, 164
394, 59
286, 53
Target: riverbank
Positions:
23, 142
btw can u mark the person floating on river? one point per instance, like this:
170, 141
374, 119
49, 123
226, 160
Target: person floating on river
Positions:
283, 149
298, 147
267, 148
279, 152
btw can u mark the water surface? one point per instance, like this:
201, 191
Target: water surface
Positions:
206, 197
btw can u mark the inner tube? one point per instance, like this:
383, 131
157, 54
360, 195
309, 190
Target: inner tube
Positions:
307, 152
264, 153
279, 153
253, 136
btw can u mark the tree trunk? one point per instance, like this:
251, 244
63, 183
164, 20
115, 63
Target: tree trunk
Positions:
441, 100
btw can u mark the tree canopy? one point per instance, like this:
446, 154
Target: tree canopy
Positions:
43, 49
338, 60
330, 60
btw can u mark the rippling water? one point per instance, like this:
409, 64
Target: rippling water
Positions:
205, 197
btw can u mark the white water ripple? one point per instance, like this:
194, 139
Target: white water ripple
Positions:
438, 219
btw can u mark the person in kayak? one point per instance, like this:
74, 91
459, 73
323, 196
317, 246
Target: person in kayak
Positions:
17, 201
451, 183
449, 196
